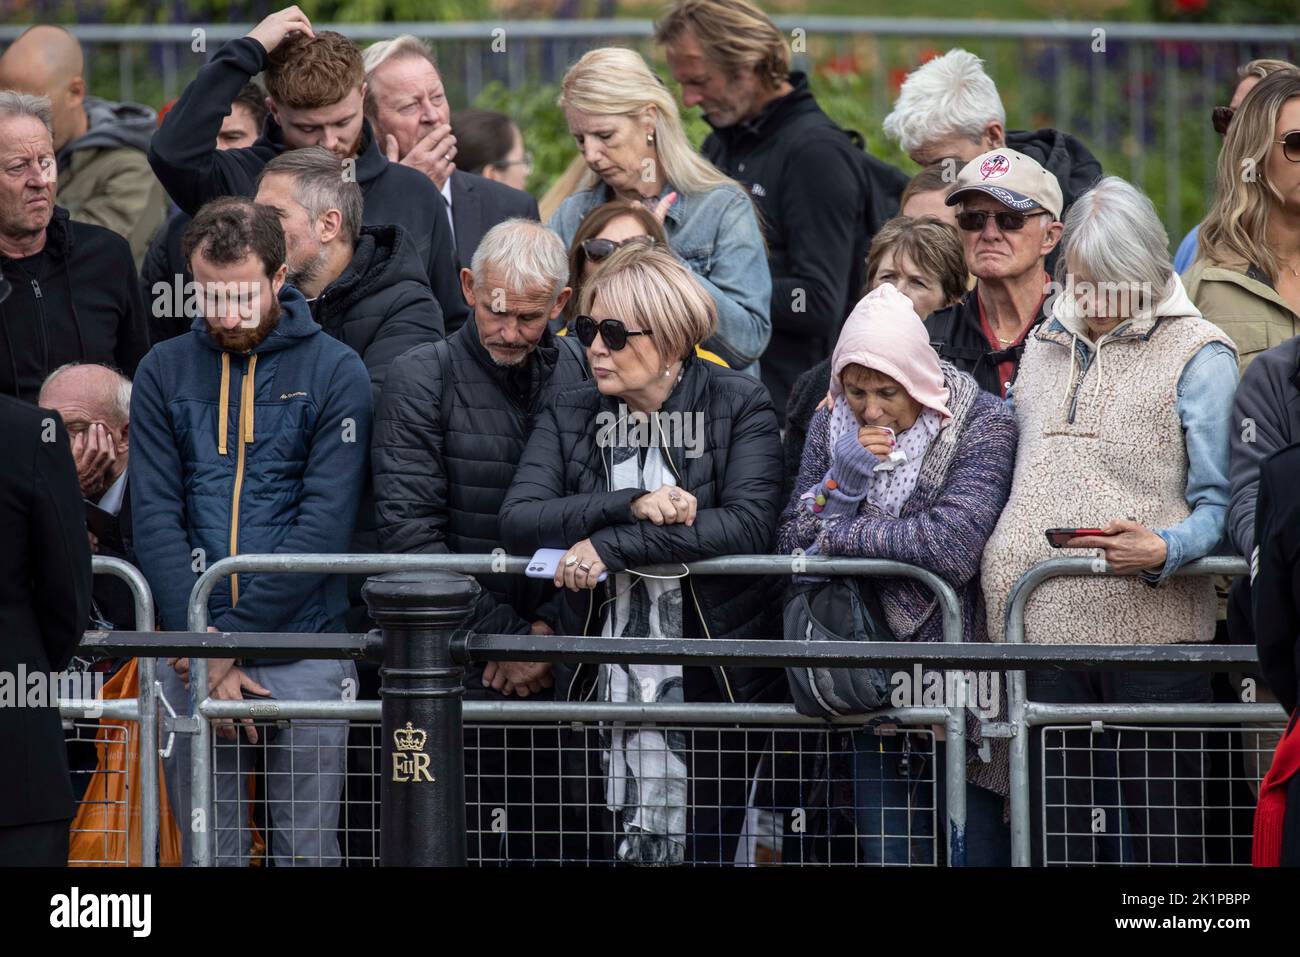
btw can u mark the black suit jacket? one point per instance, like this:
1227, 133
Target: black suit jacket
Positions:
478, 204
44, 604
112, 595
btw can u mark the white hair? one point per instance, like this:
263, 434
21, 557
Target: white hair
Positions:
405, 45
524, 254
1114, 235
949, 96
119, 395
14, 104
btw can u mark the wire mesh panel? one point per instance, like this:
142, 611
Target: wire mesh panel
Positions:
1121, 794
279, 797
103, 824
574, 794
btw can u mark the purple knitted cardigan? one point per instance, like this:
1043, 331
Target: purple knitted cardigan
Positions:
964, 483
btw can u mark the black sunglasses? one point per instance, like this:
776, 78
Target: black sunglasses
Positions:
598, 249
1291, 146
1221, 116
612, 332
1008, 222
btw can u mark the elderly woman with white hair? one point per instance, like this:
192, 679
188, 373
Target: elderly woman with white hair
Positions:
1124, 402
911, 462
627, 127
664, 458
949, 108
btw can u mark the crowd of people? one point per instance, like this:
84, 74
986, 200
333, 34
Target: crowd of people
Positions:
315, 311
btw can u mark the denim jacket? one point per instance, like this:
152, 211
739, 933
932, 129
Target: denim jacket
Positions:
717, 235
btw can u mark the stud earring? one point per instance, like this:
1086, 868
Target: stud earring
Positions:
650, 138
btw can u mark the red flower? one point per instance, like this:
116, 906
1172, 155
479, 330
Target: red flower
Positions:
846, 64
1191, 6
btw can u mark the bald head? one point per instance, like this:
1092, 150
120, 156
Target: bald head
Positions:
90, 393
47, 61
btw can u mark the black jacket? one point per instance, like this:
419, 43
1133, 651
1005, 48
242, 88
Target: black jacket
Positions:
193, 171
956, 335
380, 304
821, 199
77, 300
44, 604
1065, 157
1266, 419
478, 204
560, 497
163, 263
1061, 154
113, 597
450, 427
1275, 585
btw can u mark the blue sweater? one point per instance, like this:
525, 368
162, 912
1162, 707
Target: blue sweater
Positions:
287, 479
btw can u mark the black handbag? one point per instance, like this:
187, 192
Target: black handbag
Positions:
836, 610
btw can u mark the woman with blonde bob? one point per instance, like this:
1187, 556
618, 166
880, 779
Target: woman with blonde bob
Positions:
627, 128
662, 458
1247, 278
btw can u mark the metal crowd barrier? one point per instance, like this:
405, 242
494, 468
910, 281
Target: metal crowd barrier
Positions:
142, 709
1025, 715
1012, 656
954, 719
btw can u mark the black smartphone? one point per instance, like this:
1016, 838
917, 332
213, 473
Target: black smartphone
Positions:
1057, 537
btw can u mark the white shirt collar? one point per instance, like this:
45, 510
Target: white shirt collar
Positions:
446, 194
111, 500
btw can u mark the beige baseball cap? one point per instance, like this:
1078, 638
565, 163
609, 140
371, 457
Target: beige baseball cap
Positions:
1015, 180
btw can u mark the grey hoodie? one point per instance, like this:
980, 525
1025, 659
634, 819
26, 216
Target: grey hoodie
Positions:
104, 175
112, 125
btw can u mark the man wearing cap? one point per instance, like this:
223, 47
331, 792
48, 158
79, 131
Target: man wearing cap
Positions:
1008, 213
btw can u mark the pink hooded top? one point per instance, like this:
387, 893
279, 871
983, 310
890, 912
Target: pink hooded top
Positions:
884, 333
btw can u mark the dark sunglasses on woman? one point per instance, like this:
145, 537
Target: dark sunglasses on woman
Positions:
1291, 146
612, 332
1008, 222
598, 249
1221, 116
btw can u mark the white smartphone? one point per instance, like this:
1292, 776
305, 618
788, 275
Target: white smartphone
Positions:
546, 560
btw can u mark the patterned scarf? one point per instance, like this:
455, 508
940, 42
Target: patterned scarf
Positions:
645, 766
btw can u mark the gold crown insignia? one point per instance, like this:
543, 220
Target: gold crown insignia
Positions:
409, 739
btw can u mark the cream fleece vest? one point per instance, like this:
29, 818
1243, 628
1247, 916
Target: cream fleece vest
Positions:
1094, 447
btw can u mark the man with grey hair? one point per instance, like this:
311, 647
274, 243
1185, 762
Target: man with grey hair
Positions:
75, 296
450, 428
407, 104
949, 108
104, 174
366, 285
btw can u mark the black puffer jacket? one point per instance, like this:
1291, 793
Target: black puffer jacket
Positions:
561, 497
381, 304
449, 430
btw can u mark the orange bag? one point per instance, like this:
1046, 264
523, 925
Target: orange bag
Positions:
112, 800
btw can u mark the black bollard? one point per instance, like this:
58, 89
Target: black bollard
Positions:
422, 760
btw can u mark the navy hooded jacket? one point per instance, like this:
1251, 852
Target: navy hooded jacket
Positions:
282, 476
